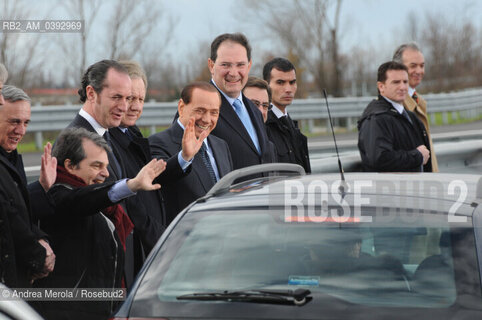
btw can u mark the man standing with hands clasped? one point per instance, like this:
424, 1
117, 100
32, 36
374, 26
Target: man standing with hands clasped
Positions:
391, 139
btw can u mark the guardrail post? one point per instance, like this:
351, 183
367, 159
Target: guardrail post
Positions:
153, 129
364, 89
432, 118
39, 140
445, 118
455, 116
311, 125
350, 124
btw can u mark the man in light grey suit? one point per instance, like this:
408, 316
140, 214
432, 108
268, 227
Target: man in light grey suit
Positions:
198, 114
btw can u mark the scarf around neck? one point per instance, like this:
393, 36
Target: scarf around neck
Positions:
115, 213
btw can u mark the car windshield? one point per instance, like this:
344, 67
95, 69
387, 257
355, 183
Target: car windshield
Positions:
395, 264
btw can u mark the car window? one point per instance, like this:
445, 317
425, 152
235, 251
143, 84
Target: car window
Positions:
396, 264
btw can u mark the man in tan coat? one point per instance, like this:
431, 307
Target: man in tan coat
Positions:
410, 55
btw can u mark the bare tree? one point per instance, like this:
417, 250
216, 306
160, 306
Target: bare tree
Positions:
337, 83
75, 46
305, 28
131, 25
20, 52
452, 53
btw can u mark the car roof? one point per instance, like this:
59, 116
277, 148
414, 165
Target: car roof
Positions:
433, 190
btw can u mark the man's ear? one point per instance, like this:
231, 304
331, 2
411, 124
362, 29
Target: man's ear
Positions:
90, 92
211, 66
69, 166
380, 86
180, 107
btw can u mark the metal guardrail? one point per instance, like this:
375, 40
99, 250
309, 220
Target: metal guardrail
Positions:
463, 104
454, 157
328, 146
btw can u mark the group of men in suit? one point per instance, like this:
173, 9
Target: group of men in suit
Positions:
218, 129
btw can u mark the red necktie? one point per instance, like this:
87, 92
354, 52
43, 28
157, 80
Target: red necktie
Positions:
415, 97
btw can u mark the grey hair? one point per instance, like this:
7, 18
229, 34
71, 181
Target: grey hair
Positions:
135, 70
13, 94
69, 145
397, 56
3, 73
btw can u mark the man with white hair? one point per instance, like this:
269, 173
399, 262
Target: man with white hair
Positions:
30, 255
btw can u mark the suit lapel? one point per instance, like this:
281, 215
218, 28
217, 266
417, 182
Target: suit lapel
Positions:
142, 144
80, 121
19, 178
231, 118
419, 109
221, 160
176, 133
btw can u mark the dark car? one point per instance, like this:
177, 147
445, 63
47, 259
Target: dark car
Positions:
378, 246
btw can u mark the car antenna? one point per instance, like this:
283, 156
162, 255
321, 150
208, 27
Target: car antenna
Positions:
343, 187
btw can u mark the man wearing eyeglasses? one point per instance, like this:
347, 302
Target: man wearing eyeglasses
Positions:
291, 145
258, 91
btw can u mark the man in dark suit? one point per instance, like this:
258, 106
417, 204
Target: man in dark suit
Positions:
105, 92
26, 255
291, 144
198, 111
146, 208
240, 123
89, 228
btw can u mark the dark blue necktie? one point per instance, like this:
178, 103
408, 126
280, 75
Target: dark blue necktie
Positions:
116, 165
207, 162
405, 114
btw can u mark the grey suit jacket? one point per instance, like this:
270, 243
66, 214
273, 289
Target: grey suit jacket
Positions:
178, 194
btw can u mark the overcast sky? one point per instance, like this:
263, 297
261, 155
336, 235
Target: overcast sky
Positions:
378, 24
363, 20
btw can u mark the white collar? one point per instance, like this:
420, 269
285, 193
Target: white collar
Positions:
97, 127
277, 112
230, 100
411, 91
396, 105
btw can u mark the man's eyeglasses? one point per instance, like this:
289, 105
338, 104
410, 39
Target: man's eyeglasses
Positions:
258, 104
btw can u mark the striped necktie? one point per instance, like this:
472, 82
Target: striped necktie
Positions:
415, 96
207, 162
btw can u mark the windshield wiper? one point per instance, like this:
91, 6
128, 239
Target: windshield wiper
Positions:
297, 297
